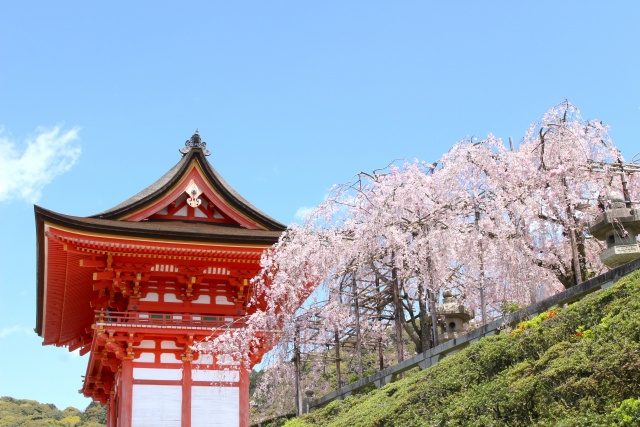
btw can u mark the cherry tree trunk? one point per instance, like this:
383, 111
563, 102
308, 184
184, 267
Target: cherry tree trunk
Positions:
356, 309
397, 308
296, 366
337, 350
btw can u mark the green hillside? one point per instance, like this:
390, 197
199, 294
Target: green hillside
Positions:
579, 366
29, 413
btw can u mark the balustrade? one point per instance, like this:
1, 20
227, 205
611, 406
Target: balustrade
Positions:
166, 320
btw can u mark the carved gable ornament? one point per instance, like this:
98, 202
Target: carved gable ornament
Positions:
193, 192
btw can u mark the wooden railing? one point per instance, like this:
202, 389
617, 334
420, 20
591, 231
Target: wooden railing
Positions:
166, 320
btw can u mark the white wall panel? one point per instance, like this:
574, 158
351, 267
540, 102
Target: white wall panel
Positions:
146, 344
204, 359
223, 300
157, 374
171, 298
169, 345
215, 375
146, 358
156, 406
202, 299
226, 359
169, 358
215, 406
151, 296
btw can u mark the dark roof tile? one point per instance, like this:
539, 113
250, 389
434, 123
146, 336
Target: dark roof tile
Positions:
158, 188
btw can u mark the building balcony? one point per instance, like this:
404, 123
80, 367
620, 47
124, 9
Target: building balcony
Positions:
171, 321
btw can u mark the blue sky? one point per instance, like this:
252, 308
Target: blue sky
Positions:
291, 97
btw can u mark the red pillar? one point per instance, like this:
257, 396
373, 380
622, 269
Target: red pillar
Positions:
111, 412
126, 394
244, 397
186, 394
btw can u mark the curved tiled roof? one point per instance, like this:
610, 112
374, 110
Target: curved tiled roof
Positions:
156, 190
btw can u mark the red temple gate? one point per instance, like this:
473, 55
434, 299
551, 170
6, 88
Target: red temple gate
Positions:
137, 285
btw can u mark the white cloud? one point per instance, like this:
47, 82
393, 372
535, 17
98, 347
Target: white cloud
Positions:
302, 212
50, 153
16, 329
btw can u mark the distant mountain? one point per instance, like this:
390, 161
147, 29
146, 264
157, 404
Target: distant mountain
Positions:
29, 413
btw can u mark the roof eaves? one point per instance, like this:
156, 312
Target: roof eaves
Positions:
180, 231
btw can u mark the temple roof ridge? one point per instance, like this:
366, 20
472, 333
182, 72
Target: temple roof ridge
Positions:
195, 142
194, 151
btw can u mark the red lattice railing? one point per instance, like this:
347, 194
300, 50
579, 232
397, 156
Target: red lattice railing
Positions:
167, 320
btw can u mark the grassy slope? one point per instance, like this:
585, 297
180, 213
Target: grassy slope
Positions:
579, 368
